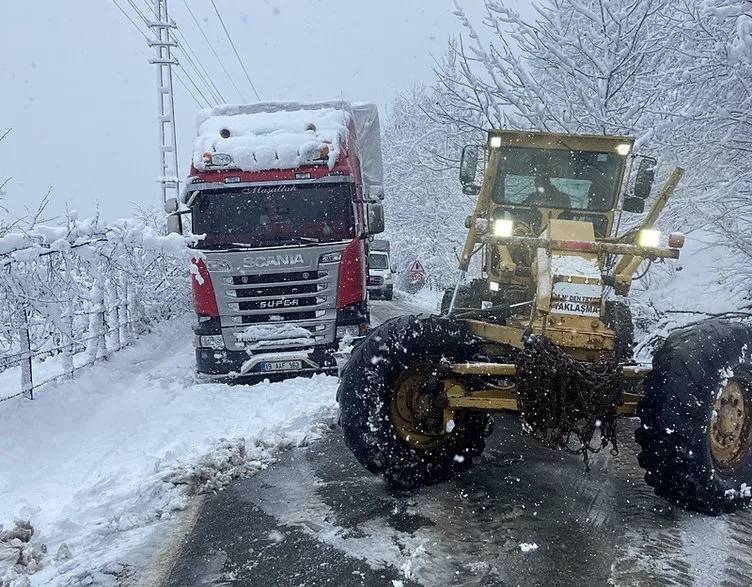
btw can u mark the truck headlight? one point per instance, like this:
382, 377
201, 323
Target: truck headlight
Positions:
349, 331
221, 159
503, 227
623, 149
330, 257
211, 341
649, 237
216, 265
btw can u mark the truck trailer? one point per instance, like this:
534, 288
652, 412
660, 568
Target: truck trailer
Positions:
284, 197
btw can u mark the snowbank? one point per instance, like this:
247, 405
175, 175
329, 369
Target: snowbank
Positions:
99, 464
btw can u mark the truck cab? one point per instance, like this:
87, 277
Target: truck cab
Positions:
277, 194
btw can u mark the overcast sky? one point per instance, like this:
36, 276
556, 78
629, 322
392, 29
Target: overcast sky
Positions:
77, 89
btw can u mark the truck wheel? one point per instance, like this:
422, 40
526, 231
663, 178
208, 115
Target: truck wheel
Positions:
619, 319
389, 294
696, 418
391, 421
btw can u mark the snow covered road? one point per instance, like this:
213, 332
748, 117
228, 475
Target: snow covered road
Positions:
107, 469
101, 464
524, 515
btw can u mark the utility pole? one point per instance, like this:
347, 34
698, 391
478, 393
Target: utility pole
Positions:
163, 43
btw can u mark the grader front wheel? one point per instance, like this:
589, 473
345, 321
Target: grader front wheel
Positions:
730, 431
696, 418
390, 402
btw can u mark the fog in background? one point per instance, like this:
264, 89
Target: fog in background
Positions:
80, 95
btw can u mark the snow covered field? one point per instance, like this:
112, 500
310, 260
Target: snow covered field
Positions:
100, 464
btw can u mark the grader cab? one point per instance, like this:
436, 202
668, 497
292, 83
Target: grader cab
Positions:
546, 331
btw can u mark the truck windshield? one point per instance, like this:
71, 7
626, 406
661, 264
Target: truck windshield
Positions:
558, 178
378, 261
274, 215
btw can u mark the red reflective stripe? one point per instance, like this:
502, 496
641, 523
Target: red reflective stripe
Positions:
342, 167
352, 275
574, 245
204, 300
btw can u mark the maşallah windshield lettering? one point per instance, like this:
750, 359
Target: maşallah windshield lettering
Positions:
274, 215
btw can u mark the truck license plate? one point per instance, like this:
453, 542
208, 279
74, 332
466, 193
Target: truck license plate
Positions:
281, 365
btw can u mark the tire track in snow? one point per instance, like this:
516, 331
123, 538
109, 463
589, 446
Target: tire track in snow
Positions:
651, 549
738, 564
663, 545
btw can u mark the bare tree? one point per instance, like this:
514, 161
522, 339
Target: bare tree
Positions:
423, 202
581, 66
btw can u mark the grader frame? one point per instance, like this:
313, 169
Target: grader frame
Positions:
585, 338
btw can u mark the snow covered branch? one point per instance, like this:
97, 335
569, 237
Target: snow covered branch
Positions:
85, 287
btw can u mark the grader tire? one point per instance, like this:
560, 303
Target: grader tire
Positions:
696, 418
369, 392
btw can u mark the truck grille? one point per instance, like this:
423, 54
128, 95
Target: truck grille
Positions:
257, 318
278, 277
277, 304
305, 296
280, 290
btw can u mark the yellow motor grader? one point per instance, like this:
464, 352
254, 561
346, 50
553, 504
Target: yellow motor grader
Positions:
545, 331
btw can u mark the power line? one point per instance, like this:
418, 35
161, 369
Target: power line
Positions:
147, 22
193, 59
187, 89
201, 70
141, 14
214, 51
148, 38
235, 49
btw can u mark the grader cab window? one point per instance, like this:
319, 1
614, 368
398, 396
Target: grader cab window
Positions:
558, 178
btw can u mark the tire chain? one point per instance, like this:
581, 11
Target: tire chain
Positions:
560, 397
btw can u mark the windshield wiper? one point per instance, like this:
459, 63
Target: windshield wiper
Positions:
291, 240
214, 246
300, 240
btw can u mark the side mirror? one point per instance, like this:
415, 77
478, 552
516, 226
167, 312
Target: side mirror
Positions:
393, 269
644, 179
375, 192
174, 224
171, 205
375, 214
472, 155
174, 219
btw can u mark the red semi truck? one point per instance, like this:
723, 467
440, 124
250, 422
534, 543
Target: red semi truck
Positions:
286, 196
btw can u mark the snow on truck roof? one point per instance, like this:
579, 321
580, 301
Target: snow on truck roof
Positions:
286, 135
272, 135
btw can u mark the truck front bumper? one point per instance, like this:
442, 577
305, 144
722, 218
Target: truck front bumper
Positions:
224, 364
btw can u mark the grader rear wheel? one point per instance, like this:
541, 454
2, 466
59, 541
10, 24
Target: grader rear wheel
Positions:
390, 402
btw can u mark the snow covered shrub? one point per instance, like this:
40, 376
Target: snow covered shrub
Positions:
85, 286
